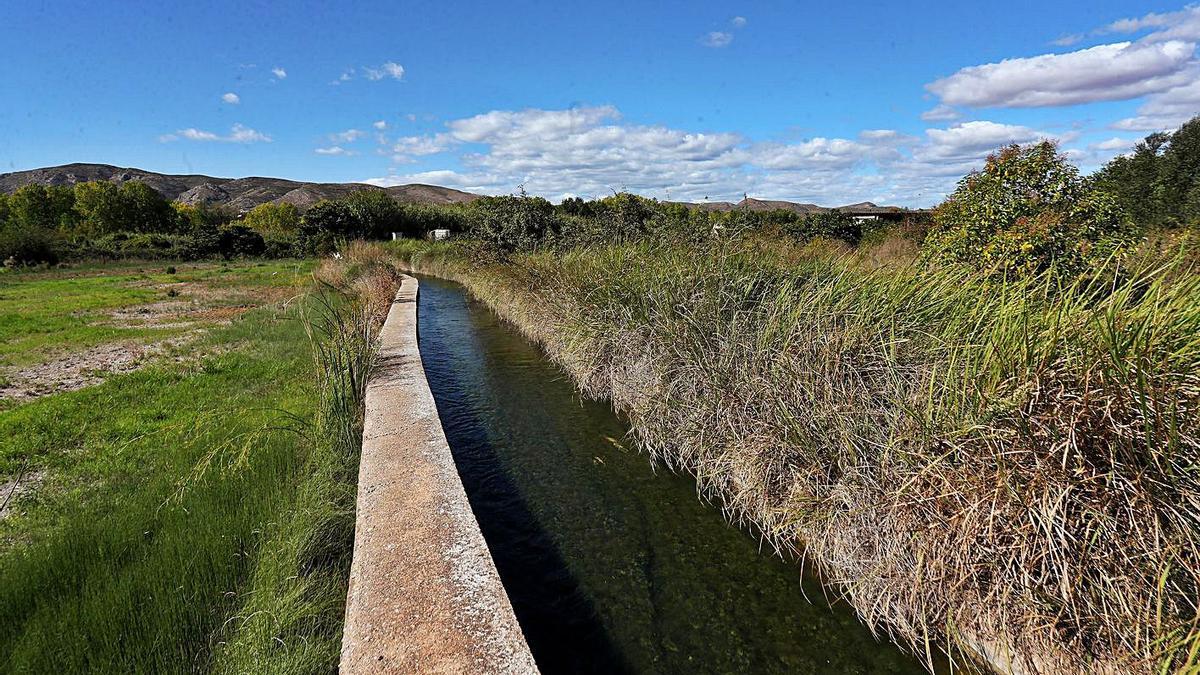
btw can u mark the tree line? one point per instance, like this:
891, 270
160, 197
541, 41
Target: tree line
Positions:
1027, 209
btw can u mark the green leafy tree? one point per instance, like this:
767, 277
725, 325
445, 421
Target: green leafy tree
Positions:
514, 222
143, 209
1133, 179
42, 208
1026, 211
1178, 185
378, 215
100, 208
326, 223
273, 219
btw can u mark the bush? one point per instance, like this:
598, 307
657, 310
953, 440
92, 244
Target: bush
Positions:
514, 222
1026, 212
239, 241
25, 246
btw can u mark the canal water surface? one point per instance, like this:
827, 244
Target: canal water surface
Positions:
612, 566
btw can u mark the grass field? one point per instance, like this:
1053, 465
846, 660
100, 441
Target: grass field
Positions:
192, 515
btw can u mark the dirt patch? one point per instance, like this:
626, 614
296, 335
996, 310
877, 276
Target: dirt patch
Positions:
81, 369
13, 489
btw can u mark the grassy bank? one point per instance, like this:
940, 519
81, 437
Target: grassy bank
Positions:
193, 515
984, 465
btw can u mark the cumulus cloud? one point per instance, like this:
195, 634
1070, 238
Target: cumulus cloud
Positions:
717, 39
590, 151
408, 147
940, 113
231, 98
335, 150
279, 73
381, 125
1181, 25
237, 134
738, 21
390, 69
1166, 110
1109, 72
1115, 144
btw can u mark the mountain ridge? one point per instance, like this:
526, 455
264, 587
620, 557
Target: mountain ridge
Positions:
243, 194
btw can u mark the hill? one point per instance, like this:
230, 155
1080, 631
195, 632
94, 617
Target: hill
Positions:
240, 194
243, 194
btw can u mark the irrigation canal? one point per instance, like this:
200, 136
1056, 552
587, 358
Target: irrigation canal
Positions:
611, 566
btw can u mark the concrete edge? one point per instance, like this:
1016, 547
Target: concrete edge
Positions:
424, 593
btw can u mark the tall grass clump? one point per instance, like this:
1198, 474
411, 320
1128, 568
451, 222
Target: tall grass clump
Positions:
292, 619
1005, 468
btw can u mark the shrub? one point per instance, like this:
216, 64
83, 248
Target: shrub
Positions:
514, 222
239, 241
1026, 212
25, 246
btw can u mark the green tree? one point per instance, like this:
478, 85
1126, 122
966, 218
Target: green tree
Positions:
1178, 186
143, 209
514, 222
41, 208
326, 223
1134, 180
273, 219
1026, 211
100, 208
378, 215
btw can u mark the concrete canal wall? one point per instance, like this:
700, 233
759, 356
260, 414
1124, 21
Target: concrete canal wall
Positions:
424, 593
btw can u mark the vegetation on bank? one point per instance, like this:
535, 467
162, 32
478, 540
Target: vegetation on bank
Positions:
984, 431
194, 516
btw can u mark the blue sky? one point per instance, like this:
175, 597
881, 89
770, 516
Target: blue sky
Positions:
824, 102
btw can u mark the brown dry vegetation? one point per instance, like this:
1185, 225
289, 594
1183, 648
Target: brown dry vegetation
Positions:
1006, 468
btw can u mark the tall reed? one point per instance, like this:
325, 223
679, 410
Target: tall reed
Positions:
1000, 467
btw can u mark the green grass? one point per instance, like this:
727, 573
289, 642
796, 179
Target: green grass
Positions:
961, 457
47, 312
190, 517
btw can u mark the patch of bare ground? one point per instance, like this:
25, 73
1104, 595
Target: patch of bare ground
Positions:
13, 489
82, 369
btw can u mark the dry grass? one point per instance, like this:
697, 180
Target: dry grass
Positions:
997, 467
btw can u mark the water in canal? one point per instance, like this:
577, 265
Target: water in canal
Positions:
610, 565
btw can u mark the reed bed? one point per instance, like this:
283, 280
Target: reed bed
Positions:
997, 468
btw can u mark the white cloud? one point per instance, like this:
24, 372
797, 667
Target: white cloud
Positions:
279, 73
1067, 40
1181, 25
973, 140
231, 98
335, 150
591, 151
940, 113
717, 39
1115, 144
1166, 110
380, 125
389, 69
347, 136
1109, 72
237, 134
738, 22
407, 147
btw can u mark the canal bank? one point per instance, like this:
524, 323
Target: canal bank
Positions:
424, 595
